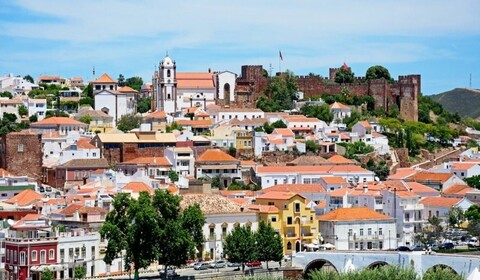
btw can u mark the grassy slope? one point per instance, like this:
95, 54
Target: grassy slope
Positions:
465, 102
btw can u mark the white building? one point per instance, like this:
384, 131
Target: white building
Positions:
441, 206
182, 160
222, 216
113, 100
16, 85
36, 107
10, 106
358, 229
226, 81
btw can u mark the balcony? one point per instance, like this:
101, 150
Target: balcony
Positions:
373, 237
31, 240
290, 236
413, 207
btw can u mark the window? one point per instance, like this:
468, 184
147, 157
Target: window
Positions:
43, 257
273, 219
275, 182
380, 231
294, 181
20, 148
289, 246
34, 256
22, 258
62, 253
361, 232
369, 231
51, 254
15, 256
285, 181
297, 207
289, 220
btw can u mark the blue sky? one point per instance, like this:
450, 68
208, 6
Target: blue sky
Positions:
438, 39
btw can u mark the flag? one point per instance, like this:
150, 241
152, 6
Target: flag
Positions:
281, 56
345, 67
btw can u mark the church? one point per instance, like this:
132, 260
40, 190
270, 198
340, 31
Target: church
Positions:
174, 92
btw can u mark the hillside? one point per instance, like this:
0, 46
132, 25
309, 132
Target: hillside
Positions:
465, 102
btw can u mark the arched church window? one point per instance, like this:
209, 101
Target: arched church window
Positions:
168, 96
168, 74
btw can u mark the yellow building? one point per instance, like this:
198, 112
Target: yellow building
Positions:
289, 215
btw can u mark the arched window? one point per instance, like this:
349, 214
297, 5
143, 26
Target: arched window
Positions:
168, 73
289, 246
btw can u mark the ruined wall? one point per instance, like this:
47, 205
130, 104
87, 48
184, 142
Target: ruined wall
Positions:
23, 154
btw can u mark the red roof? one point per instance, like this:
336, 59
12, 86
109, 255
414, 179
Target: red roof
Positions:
338, 105
84, 143
105, 79
439, 201
126, 89
278, 195
216, 155
195, 80
161, 161
157, 115
138, 187
353, 214
338, 159
295, 188
58, 121
25, 198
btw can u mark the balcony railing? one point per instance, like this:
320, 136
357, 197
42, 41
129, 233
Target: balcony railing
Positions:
212, 237
30, 240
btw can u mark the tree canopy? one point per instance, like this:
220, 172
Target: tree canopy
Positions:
239, 245
134, 82
144, 104
129, 122
29, 78
344, 75
268, 243
279, 94
321, 112
378, 72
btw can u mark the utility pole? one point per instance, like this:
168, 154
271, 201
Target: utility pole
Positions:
270, 70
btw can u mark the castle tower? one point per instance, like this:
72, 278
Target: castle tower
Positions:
166, 86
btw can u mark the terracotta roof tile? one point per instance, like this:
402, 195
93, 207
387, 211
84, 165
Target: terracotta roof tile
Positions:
161, 161
462, 165
430, 177
195, 80
402, 173
353, 214
196, 123
263, 208
84, 143
215, 155
365, 124
420, 188
58, 121
157, 115
285, 132
458, 189
439, 201
25, 198
126, 89
338, 159
105, 79
138, 187
334, 180
86, 163
5, 173
338, 105
210, 203
278, 195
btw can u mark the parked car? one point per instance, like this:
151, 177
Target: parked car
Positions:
170, 272
447, 246
201, 266
417, 248
254, 264
472, 243
192, 264
218, 264
403, 249
234, 264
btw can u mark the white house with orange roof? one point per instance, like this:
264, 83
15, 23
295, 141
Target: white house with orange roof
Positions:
269, 176
16, 84
463, 169
114, 100
458, 191
364, 131
36, 106
154, 167
81, 149
182, 160
441, 206
62, 125
215, 162
358, 228
302, 125
135, 188
226, 114
439, 179
339, 111
332, 183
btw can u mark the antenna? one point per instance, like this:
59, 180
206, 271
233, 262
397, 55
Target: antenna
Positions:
271, 69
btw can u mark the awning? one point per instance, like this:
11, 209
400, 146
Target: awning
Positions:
229, 166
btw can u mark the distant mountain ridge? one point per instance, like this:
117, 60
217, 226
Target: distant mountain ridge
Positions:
464, 101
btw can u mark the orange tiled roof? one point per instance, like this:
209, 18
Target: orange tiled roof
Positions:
195, 80
58, 121
126, 89
406, 194
440, 201
161, 161
285, 132
48, 77
295, 188
25, 198
138, 187
463, 165
458, 189
338, 105
248, 162
338, 159
5, 173
340, 192
334, 180
279, 195
157, 115
420, 188
84, 143
353, 214
365, 124
105, 79
402, 173
430, 176
216, 155
263, 208
236, 192
196, 123
311, 169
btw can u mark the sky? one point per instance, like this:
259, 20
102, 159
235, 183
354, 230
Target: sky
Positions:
439, 39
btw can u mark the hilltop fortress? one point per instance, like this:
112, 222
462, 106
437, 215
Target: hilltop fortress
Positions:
403, 92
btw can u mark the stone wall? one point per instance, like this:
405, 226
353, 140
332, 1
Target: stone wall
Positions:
22, 154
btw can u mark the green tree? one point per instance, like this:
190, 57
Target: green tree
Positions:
350, 121
29, 78
239, 245
455, 216
174, 126
381, 169
441, 273
356, 148
6, 94
56, 113
268, 243
473, 181
232, 151
279, 124
134, 82
344, 75
9, 117
179, 233
86, 119
129, 122
378, 72
216, 182
279, 94
144, 104
87, 101
173, 176
33, 118
22, 110
473, 216
321, 112
88, 91
268, 128
312, 146
121, 80
80, 272
47, 274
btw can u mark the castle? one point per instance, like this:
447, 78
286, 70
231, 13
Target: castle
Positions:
403, 92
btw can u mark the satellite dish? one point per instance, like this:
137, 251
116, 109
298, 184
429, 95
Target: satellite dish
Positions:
377, 179
10, 222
